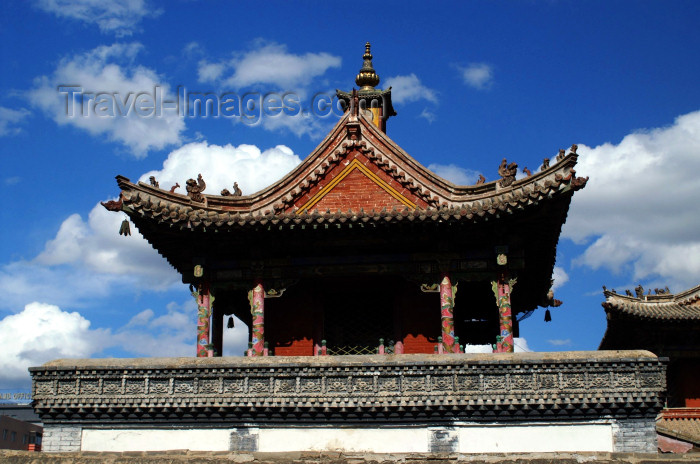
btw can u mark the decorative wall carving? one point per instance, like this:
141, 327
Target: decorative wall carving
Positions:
405, 387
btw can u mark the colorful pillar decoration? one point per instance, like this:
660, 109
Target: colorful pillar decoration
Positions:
204, 304
447, 296
256, 297
501, 290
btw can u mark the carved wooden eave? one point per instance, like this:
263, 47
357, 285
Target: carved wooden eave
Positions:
429, 197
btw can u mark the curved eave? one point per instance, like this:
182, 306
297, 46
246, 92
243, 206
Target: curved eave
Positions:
449, 194
142, 201
276, 201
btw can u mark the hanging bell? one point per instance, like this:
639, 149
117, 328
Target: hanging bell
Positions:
547, 316
125, 229
230, 322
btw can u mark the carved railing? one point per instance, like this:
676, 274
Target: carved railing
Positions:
396, 388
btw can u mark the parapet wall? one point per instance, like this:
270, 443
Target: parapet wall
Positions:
445, 403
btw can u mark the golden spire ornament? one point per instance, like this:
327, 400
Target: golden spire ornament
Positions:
367, 79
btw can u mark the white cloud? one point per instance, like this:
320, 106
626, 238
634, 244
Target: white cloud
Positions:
478, 349
97, 247
639, 207
84, 262
560, 342
560, 277
477, 75
455, 174
299, 125
172, 333
407, 89
192, 49
118, 17
221, 166
111, 72
209, 72
519, 346
24, 281
270, 67
9, 118
40, 333
268, 63
428, 115
43, 332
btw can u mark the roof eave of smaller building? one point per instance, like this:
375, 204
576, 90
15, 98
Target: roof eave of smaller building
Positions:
683, 306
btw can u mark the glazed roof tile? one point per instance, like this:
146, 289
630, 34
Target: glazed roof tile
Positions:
680, 306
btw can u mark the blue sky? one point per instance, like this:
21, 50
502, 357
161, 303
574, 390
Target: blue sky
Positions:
472, 82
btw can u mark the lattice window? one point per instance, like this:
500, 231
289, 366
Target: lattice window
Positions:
352, 329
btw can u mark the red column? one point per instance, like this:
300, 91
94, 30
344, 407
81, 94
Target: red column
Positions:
501, 290
447, 294
204, 300
256, 297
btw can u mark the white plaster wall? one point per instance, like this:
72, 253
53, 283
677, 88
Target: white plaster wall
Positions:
535, 438
378, 440
155, 439
472, 438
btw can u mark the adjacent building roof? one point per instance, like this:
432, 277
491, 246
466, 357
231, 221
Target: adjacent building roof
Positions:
681, 306
680, 423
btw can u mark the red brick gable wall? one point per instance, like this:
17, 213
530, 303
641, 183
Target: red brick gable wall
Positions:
357, 189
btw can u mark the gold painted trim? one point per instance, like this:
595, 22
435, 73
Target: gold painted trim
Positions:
354, 164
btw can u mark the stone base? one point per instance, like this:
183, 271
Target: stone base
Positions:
227, 457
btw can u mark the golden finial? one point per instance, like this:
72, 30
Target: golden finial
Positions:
367, 79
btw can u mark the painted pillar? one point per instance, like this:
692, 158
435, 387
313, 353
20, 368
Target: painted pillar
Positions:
501, 290
204, 302
447, 295
256, 297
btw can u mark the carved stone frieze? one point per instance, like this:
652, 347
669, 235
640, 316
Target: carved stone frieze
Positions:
337, 385
521, 381
403, 387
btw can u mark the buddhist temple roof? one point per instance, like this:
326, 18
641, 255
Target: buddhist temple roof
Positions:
663, 306
423, 196
359, 205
